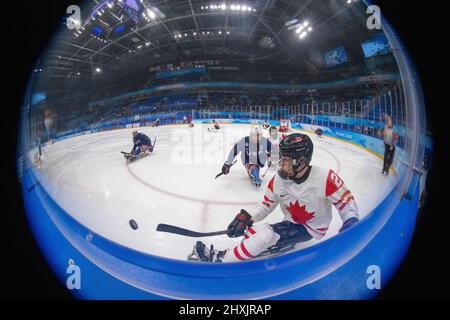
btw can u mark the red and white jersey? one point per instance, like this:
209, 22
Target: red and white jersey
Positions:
309, 203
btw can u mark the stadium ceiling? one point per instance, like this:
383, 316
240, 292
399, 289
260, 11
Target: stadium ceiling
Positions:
278, 33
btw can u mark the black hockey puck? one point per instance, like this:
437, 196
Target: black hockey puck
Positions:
134, 225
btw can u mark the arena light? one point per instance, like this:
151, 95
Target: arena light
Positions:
98, 70
236, 7
193, 34
290, 22
302, 29
151, 14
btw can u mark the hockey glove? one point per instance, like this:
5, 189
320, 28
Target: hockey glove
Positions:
240, 224
347, 224
226, 169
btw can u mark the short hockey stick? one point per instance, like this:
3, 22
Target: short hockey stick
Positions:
187, 233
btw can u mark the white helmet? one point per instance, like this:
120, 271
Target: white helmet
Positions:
256, 133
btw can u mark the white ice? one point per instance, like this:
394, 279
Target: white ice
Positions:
90, 179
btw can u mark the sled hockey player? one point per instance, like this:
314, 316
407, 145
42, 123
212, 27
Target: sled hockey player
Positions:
255, 151
142, 146
305, 194
319, 132
274, 138
157, 123
216, 126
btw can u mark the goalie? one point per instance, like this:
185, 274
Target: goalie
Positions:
305, 194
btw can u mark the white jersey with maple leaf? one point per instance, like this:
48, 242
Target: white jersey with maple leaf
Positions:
309, 203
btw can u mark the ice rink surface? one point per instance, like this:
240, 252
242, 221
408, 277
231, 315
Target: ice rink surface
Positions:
90, 179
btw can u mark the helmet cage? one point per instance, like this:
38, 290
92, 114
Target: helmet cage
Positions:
300, 154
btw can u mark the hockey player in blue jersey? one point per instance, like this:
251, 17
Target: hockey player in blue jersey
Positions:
255, 151
142, 146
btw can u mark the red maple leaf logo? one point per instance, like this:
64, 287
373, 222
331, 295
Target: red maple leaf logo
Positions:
299, 214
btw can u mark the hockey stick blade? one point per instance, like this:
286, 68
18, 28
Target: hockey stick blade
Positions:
187, 233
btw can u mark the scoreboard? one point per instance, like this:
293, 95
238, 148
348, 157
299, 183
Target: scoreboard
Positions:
130, 10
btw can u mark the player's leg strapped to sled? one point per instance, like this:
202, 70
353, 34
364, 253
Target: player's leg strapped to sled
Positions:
143, 150
253, 173
139, 152
260, 240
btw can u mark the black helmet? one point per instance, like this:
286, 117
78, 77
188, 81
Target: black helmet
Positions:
297, 146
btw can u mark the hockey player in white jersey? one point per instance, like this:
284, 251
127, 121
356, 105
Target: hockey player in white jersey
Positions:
305, 194
255, 150
275, 139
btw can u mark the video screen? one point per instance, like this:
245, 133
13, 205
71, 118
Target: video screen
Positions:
336, 56
377, 45
98, 31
